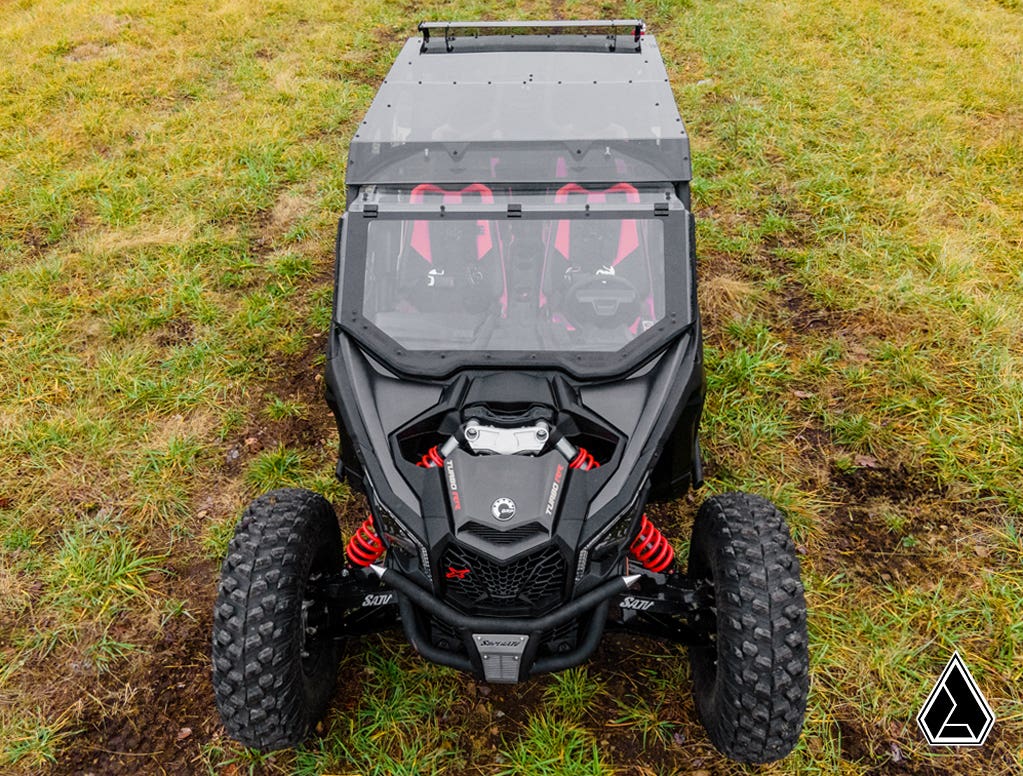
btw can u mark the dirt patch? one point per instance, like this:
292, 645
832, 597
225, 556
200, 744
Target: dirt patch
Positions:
875, 751
879, 752
360, 68
168, 713
889, 525
177, 331
35, 240
899, 484
854, 744
385, 35
300, 375
805, 316
815, 442
679, 744
89, 51
262, 240
901, 524
292, 378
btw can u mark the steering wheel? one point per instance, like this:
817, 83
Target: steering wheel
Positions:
604, 301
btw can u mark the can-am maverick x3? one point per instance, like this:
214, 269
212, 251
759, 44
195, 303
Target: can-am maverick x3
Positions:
515, 366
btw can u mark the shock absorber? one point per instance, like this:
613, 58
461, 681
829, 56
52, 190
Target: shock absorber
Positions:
365, 546
431, 460
578, 457
584, 460
435, 456
651, 548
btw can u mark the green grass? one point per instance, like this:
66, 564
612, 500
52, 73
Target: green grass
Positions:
95, 568
170, 180
573, 692
276, 468
645, 719
279, 409
551, 747
35, 739
399, 727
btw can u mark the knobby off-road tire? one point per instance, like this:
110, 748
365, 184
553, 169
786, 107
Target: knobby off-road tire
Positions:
272, 675
750, 686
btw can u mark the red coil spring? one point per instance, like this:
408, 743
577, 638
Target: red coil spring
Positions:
365, 548
584, 461
432, 459
651, 548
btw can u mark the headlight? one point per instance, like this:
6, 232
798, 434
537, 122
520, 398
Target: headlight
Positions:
612, 535
397, 533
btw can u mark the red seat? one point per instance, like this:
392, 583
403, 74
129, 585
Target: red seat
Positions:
421, 229
445, 267
597, 246
628, 240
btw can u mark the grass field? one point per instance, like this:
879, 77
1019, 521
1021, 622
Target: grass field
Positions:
170, 177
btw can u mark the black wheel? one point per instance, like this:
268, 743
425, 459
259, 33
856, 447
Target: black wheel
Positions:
750, 685
274, 658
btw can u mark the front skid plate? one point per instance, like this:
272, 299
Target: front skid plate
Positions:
501, 654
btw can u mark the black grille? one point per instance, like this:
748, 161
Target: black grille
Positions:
533, 582
554, 641
512, 536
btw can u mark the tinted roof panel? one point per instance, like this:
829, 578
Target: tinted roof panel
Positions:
435, 109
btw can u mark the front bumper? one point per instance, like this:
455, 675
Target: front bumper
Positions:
503, 649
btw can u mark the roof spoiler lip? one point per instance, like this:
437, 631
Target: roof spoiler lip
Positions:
636, 26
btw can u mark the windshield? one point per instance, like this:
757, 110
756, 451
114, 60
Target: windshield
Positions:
589, 282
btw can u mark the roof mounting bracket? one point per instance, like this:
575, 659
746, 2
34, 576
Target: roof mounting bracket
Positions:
579, 26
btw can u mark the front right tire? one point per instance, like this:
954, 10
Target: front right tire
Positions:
274, 656
751, 683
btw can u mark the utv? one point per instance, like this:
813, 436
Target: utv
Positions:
515, 366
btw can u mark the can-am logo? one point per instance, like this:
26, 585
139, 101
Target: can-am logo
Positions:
503, 509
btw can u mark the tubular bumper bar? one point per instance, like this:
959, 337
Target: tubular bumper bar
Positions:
597, 601
440, 609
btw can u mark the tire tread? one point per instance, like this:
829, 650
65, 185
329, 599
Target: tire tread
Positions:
753, 701
263, 698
